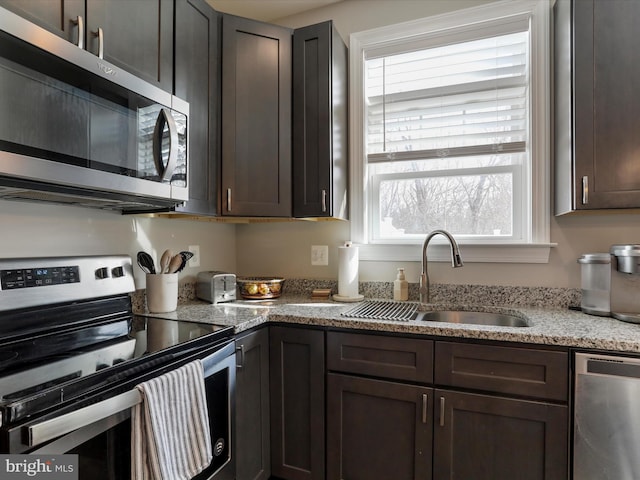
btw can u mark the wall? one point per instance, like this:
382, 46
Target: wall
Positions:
284, 248
30, 229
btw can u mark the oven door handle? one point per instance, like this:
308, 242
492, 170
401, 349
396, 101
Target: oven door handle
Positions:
49, 429
55, 427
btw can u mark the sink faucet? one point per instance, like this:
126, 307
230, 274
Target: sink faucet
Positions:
456, 261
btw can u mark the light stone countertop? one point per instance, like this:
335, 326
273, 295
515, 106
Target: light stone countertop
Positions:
560, 327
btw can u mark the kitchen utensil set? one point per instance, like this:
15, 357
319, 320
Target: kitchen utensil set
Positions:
169, 263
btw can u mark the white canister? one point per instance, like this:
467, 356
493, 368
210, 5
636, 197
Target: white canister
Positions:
162, 292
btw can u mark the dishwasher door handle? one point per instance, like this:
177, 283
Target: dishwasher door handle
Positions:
607, 365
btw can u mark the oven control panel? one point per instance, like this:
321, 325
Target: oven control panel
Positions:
67, 279
38, 277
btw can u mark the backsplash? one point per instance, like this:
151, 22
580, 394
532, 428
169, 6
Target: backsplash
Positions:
486, 295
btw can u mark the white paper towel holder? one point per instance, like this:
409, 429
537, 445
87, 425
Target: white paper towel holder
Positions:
350, 291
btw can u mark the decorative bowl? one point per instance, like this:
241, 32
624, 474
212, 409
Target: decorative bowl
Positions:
260, 288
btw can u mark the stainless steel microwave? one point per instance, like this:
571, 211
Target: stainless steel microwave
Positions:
78, 130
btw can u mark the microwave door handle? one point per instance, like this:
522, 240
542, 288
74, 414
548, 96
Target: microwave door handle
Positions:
165, 118
55, 427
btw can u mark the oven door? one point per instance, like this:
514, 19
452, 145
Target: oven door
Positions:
100, 433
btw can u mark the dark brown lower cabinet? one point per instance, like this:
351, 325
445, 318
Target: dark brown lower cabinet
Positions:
483, 437
297, 403
253, 460
378, 430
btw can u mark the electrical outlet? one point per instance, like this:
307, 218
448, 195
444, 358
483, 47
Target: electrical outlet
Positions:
319, 255
195, 260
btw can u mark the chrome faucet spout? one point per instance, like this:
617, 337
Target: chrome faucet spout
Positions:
456, 261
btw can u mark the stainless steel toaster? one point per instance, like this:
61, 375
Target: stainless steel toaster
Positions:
216, 287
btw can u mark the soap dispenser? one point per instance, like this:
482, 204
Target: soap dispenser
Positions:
400, 286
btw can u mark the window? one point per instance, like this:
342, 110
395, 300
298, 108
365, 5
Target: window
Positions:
450, 130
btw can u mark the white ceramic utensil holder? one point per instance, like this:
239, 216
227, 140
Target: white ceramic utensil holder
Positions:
162, 292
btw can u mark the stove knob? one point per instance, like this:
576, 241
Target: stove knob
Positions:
102, 273
117, 272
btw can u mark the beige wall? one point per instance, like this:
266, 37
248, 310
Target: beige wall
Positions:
30, 229
284, 249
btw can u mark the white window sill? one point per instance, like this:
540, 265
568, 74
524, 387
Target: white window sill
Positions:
471, 253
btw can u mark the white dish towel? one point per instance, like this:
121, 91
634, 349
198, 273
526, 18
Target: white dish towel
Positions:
170, 436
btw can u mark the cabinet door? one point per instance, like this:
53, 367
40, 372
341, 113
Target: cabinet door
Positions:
319, 122
137, 36
493, 438
297, 403
606, 64
197, 62
378, 430
252, 407
58, 16
256, 108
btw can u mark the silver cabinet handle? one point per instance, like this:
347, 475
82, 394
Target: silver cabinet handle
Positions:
228, 199
324, 201
425, 404
80, 23
100, 35
585, 190
240, 352
165, 118
442, 411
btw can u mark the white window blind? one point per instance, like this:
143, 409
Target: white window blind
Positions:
463, 99
449, 128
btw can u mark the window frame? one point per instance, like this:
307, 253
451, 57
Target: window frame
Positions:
535, 248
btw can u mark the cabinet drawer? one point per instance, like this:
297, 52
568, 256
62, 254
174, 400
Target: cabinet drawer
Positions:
518, 371
397, 358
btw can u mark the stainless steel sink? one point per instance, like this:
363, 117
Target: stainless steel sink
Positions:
475, 318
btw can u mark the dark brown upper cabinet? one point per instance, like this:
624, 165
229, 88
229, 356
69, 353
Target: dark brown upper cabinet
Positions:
58, 16
136, 35
197, 80
319, 122
256, 114
597, 70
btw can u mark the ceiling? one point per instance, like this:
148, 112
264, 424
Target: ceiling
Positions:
267, 10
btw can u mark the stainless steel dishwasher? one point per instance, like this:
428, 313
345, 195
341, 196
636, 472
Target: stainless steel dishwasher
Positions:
606, 444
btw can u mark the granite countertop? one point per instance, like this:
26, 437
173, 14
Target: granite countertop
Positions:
548, 326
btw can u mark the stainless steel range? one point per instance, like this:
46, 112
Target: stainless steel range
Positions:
72, 352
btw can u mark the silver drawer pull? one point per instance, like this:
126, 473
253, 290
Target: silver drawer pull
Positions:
585, 190
100, 35
80, 23
425, 404
240, 354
